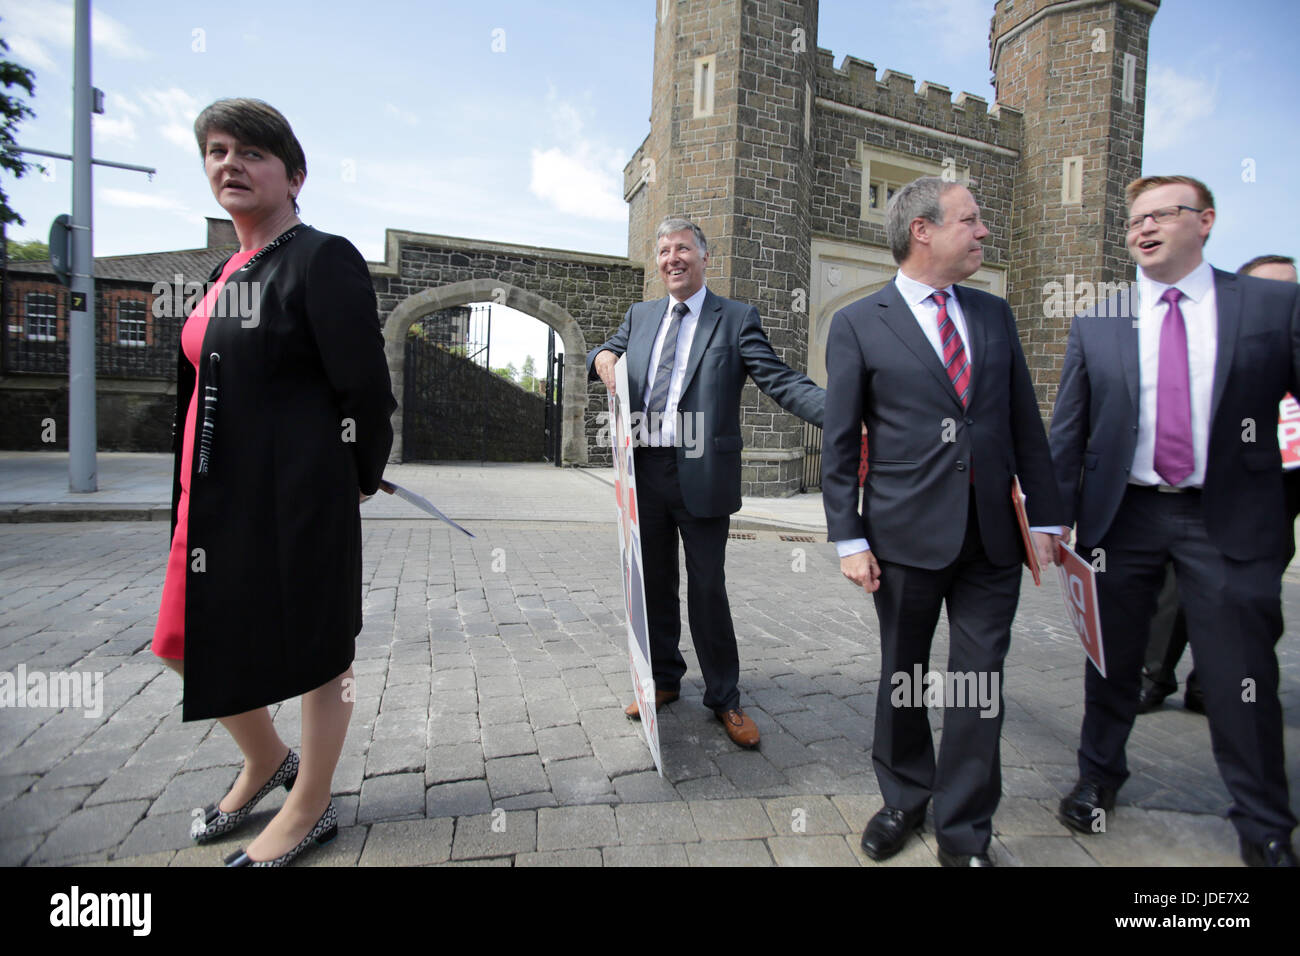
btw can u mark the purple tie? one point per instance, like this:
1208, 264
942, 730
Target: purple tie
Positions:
1174, 458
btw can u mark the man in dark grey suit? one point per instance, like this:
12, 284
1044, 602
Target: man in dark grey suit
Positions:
937, 373
1165, 446
688, 355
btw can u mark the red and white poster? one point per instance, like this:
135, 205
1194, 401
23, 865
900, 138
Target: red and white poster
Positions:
1079, 586
629, 546
1288, 432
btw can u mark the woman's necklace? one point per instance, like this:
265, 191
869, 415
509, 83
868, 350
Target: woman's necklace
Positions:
277, 241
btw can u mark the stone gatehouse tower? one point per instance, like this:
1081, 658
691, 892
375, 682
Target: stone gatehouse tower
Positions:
787, 162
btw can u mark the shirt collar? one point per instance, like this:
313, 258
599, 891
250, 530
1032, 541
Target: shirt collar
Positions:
913, 292
695, 303
1195, 285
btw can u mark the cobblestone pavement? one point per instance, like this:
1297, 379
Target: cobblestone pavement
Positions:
488, 728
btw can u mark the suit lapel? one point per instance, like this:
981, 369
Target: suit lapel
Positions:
896, 314
1129, 346
1227, 296
710, 313
641, 346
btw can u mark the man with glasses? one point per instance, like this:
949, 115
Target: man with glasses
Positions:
1165, 450
1169, 626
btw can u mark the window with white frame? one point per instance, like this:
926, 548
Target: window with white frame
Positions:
883, 174
41, 313
132, 329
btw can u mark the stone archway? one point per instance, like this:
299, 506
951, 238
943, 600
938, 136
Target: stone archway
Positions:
574, 446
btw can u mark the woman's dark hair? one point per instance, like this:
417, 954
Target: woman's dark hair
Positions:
256, 124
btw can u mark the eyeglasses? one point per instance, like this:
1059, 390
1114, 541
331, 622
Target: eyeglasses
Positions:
1163, 214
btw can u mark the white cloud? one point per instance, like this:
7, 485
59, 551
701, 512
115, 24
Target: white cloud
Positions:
582, 178
1176, 104
113, 128
128, 199
37, 28
401, 115
174, 110
577, 183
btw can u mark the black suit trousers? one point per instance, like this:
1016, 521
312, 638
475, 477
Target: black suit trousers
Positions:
966, 781
663, 516
1234, 618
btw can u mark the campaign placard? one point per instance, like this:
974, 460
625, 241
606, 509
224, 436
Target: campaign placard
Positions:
1079, 587
629, 547
1288, 432
1022, 518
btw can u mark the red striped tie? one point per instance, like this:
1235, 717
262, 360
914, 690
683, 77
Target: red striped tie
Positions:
954, 353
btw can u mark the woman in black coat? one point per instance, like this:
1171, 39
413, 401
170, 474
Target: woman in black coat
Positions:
283, 405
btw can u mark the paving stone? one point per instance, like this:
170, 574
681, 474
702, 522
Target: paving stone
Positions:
751, 773
707, 788
91, 830
502, 710
560, 858
804, 815
730, 819
811, 851
39, 810
661, 854
562, 743
408, 843
655, 823
453, 762
17, 850
344, 850
393, 797
581, 780
528, 801
80, 769
462, 798
512, 776
729, 853
166, 832
186, 791
1020, 816
395, 756
508, 740
575, 828
450, 729
554, 712
622, 755
1136, 837
514, 832
644, 787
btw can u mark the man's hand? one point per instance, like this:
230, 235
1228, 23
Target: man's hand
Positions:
604, 365
862, 570
1045, 546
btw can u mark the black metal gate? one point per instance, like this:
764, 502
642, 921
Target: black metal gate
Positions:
444, 403
554, 402
812, 457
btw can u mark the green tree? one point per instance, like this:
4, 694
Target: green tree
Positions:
30, 251
528, 377
509, 373
13, 110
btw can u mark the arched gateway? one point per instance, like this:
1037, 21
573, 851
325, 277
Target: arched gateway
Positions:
581, 296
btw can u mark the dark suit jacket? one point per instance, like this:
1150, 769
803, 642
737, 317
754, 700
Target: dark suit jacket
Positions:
277, 606
882, 370
1095, 424
729, 344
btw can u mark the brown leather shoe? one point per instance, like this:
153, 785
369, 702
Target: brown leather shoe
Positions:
740, 727
662, 699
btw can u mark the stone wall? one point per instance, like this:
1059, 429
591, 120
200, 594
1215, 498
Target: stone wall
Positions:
491, 420
129, 415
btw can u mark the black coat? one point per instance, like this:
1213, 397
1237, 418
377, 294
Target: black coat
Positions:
301, 424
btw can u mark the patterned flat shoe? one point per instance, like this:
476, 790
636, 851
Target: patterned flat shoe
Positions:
325, 830
216, 822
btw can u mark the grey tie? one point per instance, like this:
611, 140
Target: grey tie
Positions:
667, 356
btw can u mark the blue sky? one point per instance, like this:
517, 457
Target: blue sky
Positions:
411, 120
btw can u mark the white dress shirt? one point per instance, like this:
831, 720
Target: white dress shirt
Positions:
1201, 317
667, 435
919, 298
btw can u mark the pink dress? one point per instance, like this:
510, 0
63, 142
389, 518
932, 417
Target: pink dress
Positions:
169, 634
